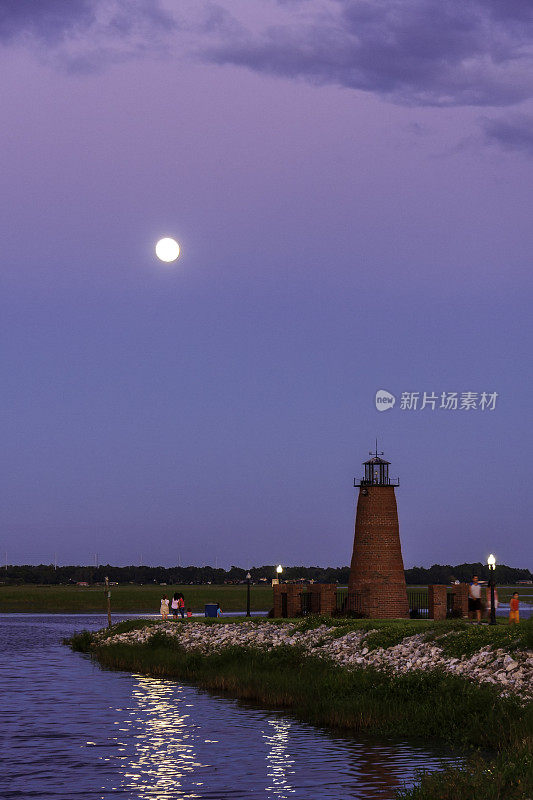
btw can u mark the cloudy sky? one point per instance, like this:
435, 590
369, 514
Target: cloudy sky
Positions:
350, 182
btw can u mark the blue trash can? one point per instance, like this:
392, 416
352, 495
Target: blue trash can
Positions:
210, 609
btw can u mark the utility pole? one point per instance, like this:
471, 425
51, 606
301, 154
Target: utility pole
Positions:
108, 598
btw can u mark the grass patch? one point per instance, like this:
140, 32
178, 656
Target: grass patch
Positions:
506, 776
391, 635
467, 639
80, 642
455, 637
525, 593
127, 598
311, 622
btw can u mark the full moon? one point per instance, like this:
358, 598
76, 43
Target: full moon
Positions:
167, 249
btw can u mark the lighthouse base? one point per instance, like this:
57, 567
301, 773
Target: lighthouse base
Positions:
374, 603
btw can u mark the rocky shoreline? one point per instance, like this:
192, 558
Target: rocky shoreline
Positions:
512, 673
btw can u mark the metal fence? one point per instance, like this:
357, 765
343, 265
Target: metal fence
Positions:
305, 603
450, 604
418, 603
349, 602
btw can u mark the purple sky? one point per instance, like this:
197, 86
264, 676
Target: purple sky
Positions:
350, 183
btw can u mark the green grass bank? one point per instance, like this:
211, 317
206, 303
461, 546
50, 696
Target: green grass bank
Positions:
127, 598
496, 732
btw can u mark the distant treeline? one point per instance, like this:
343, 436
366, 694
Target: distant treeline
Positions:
48, 574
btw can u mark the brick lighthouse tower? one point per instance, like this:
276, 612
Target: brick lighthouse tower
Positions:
376, 571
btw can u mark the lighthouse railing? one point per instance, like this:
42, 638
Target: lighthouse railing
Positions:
357, 482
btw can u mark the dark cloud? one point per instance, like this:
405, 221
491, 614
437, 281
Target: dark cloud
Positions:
513, 133
424, 52
418, 52
46, 19
517, 10
83, 35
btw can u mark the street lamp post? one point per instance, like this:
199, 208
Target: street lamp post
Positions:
279, 570
491, 562
248, 579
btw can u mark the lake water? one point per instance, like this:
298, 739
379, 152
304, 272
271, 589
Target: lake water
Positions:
70, 729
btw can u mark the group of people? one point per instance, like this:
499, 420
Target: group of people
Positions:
475, 602
176, 605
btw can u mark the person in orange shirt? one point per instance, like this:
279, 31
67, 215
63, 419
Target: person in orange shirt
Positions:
514, 615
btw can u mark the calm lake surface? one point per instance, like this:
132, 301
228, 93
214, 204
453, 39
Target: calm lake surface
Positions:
70, 729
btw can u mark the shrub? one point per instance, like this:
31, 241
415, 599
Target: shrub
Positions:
80, 642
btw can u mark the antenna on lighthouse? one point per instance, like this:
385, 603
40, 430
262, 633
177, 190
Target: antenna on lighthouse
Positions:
376, 453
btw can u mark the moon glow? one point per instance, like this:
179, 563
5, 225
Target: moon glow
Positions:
167, 250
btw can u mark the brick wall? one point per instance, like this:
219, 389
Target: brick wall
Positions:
377, 563
315, 598
437, 601
328, 597
460, 599
322, 598
292, 593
